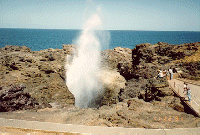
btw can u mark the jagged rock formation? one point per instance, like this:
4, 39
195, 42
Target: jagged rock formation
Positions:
14, 98
140, 69
42, 72
133, 96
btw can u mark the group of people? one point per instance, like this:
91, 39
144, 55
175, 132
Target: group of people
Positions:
163, 73
170, 72
187, 91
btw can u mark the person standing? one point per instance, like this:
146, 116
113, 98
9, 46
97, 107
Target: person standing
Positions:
189, 93
161, 74
171, 73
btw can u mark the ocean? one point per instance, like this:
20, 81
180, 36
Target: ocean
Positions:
40, 39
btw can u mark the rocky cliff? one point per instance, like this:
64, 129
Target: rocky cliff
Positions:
41, 72
147, 59
133, 95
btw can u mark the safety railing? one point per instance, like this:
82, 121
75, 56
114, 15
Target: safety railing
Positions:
179, 89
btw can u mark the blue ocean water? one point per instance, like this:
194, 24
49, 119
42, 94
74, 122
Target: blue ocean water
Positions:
39, 39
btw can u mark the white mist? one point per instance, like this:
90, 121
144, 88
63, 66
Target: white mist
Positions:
83, 73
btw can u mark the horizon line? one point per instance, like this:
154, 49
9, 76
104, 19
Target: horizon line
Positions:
104, 29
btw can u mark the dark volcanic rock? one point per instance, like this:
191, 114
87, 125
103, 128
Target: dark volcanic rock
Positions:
118, 58
176, 51
46, 68
190, 70
125, 69
142, 66
147, 59
42, 72
15, 98
12, 48
112, 58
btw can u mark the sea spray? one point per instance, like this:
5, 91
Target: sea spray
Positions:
83, 72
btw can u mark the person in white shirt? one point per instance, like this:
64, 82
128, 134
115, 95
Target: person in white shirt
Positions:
185, 90
171, 73
161, 74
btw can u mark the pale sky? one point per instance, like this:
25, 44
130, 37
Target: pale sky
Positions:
161, 15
